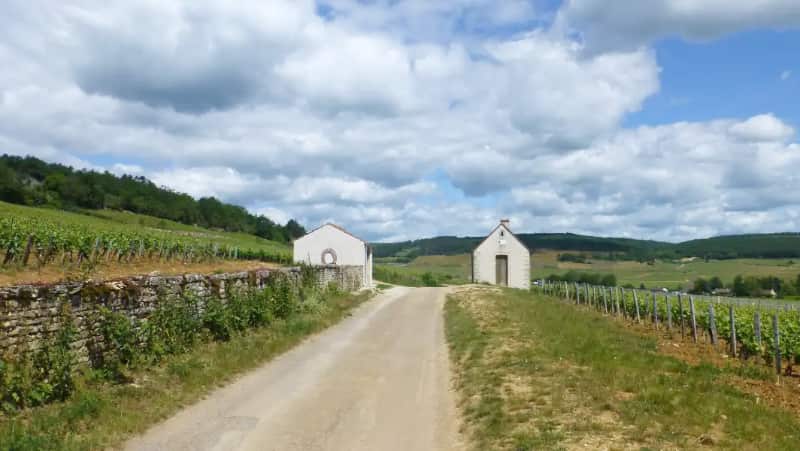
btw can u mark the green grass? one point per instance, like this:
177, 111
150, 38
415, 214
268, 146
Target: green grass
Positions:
535, 373
431, 270
669, 274
102, 415
110, 220
661, 274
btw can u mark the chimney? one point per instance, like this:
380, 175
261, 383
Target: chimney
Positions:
506, 223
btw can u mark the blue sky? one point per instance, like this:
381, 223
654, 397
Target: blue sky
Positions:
401, 119
737, 76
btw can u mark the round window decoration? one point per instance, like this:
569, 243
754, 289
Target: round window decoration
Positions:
329, 257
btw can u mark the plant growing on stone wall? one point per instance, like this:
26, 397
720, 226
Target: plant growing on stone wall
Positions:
283, 299
217, 319
44, 375
121, 342
172, 328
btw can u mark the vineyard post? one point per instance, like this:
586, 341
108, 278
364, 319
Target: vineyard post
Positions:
712, 324
733, 329
655, 310
93, 256
566, 291
757, 327
669, 311
605, 300
586, 290
636, 302
624, 305
680, 312
777, 340
694, 320
27, 253
616, 300
577, 294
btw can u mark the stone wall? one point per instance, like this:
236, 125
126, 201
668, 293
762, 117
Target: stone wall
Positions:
28, 313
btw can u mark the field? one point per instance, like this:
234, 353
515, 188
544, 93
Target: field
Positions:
536, 373
45, 244
661, 274
435, 269
666, 274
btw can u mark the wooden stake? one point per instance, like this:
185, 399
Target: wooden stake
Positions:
680, 312
655, 310
733, 330
669, 312
636, 302
712, 324
694, 321
27, 253
777, 339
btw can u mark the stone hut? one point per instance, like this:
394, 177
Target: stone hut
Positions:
502, 259
332, 245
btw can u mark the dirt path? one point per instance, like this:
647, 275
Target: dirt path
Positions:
377, 381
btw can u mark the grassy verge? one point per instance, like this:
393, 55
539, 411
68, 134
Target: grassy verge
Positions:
538, 374
100, 415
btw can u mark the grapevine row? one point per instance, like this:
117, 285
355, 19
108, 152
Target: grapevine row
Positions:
29, 241
769, 330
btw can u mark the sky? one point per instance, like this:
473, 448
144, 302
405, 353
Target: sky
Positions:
402, 119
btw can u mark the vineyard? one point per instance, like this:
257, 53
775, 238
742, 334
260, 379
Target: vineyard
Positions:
38, 237
767, 330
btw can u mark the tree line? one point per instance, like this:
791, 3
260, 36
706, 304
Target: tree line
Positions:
33, 182
749, 286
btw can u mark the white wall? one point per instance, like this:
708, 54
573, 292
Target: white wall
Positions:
349, 249
519, 260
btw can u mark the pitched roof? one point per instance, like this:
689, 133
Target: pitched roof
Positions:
338, 227
509, 232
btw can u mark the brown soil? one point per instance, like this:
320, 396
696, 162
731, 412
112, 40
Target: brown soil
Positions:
51, 274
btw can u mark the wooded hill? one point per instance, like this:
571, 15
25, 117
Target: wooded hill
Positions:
33, 182
777, 245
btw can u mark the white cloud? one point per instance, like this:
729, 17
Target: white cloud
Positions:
350, 117
764, 127
618, 24
785, 75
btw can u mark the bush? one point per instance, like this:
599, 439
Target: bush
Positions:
283, 300
121, 342
217, 320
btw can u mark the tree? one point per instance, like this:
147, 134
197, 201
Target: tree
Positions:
294, 229
700, 286
609, 280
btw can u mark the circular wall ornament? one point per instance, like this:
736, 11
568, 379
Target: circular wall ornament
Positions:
329, 257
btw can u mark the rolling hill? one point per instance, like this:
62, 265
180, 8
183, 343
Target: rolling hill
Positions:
777, 245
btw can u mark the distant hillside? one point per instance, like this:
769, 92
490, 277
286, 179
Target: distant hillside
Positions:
780, 245
33, 182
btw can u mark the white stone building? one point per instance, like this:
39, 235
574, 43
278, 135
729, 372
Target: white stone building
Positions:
333, 245
502, 259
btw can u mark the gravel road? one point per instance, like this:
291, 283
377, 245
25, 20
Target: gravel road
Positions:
379, 380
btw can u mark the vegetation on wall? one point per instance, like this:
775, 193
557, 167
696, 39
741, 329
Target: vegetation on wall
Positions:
122, 344
33, 182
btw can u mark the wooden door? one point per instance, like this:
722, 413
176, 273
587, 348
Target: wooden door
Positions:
501, 270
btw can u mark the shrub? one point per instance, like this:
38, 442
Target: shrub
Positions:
121, 342
217, 320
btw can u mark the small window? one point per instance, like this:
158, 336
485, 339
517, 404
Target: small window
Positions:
502, 233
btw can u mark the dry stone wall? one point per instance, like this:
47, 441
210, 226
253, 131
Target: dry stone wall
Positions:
29, 313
